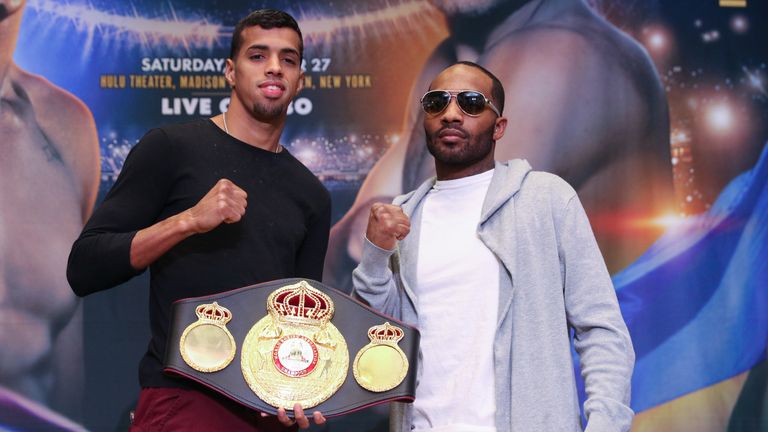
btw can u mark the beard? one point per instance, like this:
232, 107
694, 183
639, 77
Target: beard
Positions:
474, 149
266, 112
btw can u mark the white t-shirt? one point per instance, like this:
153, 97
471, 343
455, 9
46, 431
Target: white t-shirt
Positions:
458, 293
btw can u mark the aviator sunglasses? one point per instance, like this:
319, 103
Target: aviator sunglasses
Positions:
470, 102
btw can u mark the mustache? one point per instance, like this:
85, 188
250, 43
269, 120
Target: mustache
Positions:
452, 128
278, 83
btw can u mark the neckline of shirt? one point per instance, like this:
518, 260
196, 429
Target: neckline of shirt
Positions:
221, 131
464, 182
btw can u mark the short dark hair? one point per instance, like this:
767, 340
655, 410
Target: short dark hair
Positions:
497, 89
266, 19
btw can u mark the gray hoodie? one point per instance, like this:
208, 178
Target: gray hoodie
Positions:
553, 280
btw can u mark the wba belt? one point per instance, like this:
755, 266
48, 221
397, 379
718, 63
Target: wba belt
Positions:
293, 341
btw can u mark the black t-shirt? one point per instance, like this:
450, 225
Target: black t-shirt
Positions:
284, 232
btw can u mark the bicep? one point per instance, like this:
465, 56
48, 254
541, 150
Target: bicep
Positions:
140, 192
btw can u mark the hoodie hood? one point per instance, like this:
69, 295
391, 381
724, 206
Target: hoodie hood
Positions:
507, 179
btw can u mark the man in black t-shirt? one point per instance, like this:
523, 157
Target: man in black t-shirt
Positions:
209, 206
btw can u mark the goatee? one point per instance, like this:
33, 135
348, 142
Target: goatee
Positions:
475, 148
268, 112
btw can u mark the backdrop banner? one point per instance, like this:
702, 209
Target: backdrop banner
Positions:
654, 110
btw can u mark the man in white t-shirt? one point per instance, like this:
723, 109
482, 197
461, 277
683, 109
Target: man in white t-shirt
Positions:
496, 264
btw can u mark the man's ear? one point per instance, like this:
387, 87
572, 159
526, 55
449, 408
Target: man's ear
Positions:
229, 72
499, 128
301, 83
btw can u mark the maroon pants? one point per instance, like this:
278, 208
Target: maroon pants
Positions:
172, 409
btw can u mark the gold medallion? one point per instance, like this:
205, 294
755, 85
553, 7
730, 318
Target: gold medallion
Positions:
207, 345
294, 354
381, 365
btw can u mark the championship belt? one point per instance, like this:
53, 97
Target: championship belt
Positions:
293, 341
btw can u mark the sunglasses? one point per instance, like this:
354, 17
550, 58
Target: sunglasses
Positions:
470, 102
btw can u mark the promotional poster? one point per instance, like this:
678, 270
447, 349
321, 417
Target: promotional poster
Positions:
654, 111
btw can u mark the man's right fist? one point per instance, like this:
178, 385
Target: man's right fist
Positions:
387, 224
225, 202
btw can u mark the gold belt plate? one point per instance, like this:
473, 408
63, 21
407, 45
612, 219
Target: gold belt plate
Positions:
381, 365
295, 354
207, 345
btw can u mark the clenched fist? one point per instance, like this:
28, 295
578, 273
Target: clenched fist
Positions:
387, 224
225, 202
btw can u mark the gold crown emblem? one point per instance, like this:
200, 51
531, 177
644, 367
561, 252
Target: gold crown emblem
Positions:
300, 303
385, 333
213, 313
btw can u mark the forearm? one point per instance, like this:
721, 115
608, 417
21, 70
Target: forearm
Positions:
606, 363
374, 282
100, 260
606, 359
151, 243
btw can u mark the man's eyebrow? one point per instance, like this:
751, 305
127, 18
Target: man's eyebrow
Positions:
256, 47
289, 51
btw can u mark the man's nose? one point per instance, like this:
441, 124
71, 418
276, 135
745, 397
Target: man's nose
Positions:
274, 66
452, 113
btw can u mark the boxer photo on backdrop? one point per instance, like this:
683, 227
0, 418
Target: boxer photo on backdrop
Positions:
49, 176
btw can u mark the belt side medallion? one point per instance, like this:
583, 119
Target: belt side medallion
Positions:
381, 365
207, 345
295, 354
